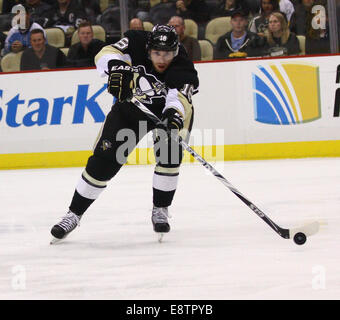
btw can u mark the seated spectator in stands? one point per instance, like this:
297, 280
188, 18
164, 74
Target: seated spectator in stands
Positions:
37, 9
92, 10
225, 8
136, 24
7, 5
298, 23
253, 6
190, 44
280, 41
317, 39
82, 54
140, 9
196, 10
18, 38
67, 15
239, 43
41, 56
287, 8
259, 24
162, 12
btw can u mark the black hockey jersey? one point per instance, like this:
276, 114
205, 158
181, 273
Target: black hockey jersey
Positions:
176, 84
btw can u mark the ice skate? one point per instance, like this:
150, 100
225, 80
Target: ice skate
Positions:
160, 221
69, 222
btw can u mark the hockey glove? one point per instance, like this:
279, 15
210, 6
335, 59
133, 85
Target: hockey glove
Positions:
172, 119
120, 81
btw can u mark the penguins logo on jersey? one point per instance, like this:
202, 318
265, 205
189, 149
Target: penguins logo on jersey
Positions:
148, 87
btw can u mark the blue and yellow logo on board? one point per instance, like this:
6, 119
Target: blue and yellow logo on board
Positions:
287, 93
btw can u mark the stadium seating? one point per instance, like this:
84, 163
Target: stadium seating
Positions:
191, 28
154, 2
55, 37
216, 28
207, 50
65, 51
103, 4
11, 62
302, 42
147, 25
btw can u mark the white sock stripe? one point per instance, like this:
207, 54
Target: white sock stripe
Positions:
164, 183
88, 191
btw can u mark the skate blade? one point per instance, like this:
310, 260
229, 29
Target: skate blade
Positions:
160, 237
55, 240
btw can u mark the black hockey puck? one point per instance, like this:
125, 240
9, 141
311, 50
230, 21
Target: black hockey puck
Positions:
300, 238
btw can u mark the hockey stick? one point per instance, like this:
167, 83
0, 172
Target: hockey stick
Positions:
298, 234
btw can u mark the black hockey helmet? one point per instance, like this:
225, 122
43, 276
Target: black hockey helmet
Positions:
164, 38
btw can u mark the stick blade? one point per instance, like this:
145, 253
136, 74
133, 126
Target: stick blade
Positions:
308, 229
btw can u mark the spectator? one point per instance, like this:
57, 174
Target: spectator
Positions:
136, 24
7, 5
19, 38
298, 23
280, 41
259, 23
190, 44
317, 36
140, 9
162, 12
66, 15
196, 10
41, 56
92, 10
287, 8
38, 9
317, 39
239, 43
82, 54
225, 8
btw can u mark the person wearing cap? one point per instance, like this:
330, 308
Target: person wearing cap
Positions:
239, 42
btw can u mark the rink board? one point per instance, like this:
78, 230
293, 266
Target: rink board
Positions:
252, 109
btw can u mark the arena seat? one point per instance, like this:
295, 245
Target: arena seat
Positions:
65, 51
11, 62
302, 43
154, 2
207, 50
98, 33
191, 28
216, 28
55, 37
103, 4
147, 25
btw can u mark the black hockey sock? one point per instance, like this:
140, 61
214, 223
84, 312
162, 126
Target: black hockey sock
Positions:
80, 204
161, 198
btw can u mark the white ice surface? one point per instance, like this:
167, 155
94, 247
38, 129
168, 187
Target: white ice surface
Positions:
217, 248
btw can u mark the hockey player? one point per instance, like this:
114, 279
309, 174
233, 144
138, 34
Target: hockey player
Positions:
137, 63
